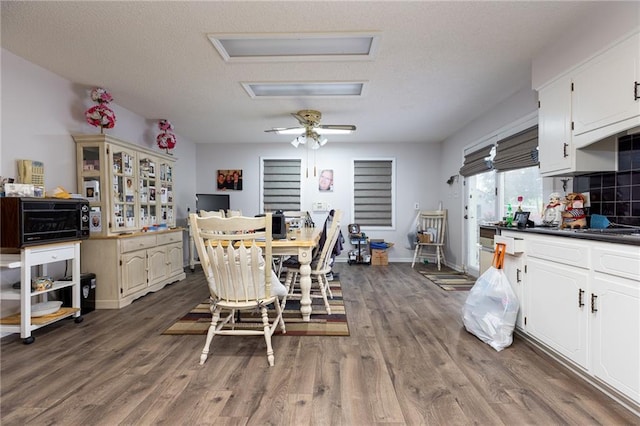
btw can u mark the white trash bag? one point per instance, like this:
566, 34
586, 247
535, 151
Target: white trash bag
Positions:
491, 308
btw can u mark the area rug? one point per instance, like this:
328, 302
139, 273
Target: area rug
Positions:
198, 319
450, 281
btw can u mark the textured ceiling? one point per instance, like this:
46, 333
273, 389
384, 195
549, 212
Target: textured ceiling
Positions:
439, 65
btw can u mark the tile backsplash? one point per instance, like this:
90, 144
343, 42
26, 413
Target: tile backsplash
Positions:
616, 195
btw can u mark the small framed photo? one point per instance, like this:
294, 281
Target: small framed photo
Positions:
92, 190
521, 218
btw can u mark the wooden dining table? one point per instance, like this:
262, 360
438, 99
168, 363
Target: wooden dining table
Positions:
300, 242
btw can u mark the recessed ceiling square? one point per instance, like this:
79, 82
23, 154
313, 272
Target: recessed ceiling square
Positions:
303, 89
295, 47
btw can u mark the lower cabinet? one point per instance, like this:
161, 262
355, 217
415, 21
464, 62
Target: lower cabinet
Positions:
514, 270
581, 299
128, 267
556, 308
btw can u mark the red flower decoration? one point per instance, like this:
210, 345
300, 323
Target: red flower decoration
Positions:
101, 116
166, 139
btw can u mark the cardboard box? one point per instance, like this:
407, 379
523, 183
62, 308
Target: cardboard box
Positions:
424, 238
379, 257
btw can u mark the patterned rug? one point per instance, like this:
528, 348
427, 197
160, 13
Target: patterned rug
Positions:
450, 281
198, 319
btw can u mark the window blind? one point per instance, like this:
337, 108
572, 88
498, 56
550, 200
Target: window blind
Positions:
476, 162
373, 192
281, 185
517, 151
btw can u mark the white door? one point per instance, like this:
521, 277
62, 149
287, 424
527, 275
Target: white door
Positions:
480, 207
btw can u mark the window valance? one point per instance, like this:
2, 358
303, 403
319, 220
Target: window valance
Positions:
477, 162
517, 151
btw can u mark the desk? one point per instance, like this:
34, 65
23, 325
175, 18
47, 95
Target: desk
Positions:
302, 247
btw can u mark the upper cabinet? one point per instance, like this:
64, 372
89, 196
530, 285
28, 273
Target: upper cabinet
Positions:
582, 112
129, 187
606, 96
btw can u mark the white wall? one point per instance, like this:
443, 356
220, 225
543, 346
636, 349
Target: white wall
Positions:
417, 171
513, 109
40, 111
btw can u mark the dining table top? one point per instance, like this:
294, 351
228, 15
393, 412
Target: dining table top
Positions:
301, 237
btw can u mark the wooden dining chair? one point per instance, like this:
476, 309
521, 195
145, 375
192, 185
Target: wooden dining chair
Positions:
320, 265
237, 266
432, 225
233, 213
211, 213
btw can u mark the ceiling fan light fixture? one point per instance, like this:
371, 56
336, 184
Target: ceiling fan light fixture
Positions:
323, 141
297, 141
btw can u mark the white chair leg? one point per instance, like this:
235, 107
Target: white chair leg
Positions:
267, 335
328, 287
321, 283
215, 316
415, 254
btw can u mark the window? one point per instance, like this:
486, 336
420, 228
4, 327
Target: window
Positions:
373, 192
281, 184
525, 183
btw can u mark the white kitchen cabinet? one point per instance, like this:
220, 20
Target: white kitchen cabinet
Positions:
582, 112
555, 147
556, 289
582, 304
130, 266
40, 256
556, 312
614, 310
606, 97
557, 151
514, 264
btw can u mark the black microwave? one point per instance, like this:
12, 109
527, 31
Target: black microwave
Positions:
34, 221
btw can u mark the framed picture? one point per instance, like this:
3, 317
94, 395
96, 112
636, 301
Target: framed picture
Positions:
92, 190
229, 180
325, 181
521, 218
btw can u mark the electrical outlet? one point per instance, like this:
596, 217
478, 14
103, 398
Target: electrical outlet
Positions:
416, 206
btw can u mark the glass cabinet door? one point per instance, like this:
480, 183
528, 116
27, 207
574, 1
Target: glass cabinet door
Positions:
148, 191
90, 177
123, 206
167, 212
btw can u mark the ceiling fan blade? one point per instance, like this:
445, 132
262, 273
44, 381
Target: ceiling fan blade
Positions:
337, 127
286, 130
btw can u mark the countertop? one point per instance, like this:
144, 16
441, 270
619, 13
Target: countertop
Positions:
629, 236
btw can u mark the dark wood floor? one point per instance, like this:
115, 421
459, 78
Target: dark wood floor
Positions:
408, 361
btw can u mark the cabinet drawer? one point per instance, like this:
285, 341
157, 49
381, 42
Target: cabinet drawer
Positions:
170, 237
621, 262
558, 249
513, 245
48, 255
137, 243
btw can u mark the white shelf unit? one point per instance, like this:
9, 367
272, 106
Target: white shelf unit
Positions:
41, 256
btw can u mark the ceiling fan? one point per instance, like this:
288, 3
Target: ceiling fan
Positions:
311, 130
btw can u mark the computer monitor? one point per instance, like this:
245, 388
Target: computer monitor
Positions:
212, 202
